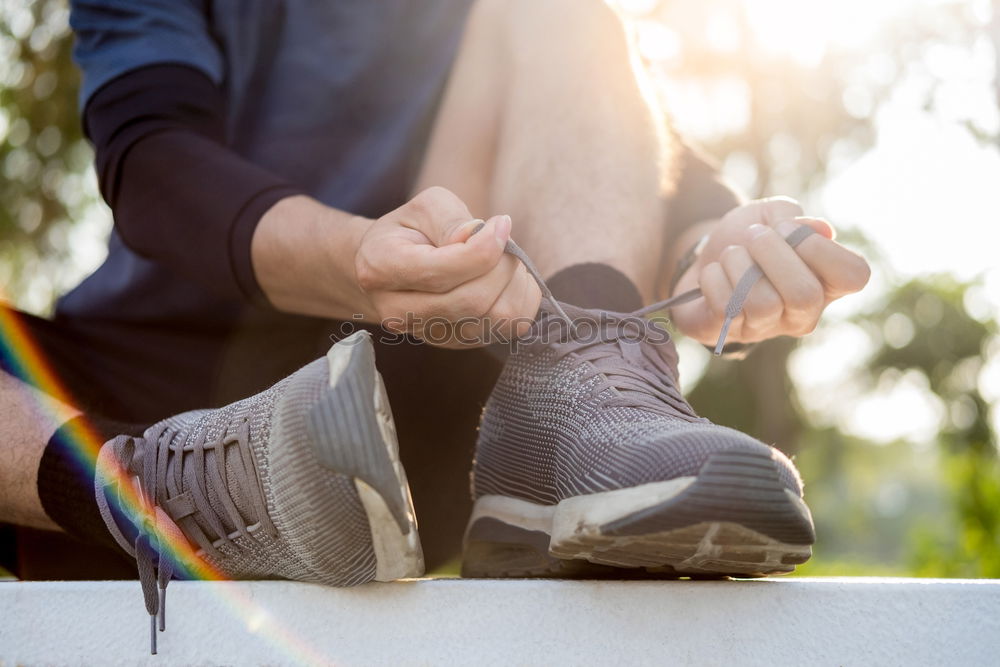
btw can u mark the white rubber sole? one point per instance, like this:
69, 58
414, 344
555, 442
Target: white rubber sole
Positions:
577, 515
735, 518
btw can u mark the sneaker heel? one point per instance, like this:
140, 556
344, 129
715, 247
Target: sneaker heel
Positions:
345, 430
352, 434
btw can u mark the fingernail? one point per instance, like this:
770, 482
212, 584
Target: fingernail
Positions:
479, 225
756, 231
502, 229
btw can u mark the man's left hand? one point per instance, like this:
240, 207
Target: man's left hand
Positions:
798, 283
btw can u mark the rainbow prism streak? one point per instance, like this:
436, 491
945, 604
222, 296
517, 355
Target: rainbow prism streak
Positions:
28, 363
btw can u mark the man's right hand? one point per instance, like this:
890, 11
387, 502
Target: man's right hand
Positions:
426, 271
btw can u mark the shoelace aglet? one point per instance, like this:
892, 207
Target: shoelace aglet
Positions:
163, 609
722, 336
746, 283
152, 634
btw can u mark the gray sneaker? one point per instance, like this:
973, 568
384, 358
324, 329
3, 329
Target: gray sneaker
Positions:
590, 460
302, 481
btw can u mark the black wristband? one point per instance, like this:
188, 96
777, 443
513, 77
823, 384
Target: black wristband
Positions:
686, 261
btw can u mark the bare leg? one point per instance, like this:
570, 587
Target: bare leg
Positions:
28, 418
547, 119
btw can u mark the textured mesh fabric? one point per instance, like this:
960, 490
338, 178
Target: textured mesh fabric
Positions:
314, 527
567, 419
322, 530
318, 514
244, 486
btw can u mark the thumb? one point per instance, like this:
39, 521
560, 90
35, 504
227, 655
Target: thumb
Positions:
498, 226
460, 232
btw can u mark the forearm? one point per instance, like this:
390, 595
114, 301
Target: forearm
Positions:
180, 195
303, 257
185, 199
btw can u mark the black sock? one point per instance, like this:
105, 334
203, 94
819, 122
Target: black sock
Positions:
66, 481
595, 285
589, 285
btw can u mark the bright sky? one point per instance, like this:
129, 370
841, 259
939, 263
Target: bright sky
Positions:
927, 192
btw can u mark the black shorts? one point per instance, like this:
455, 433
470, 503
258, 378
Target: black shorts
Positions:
144, 374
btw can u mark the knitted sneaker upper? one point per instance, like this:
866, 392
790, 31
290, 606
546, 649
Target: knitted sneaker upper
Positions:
243, 486
593, 405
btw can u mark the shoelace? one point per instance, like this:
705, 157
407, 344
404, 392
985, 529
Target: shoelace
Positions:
188, 491
733, 308
644, 379
183, 490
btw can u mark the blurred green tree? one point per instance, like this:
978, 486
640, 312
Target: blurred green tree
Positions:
798, 122
948, 347
45, 160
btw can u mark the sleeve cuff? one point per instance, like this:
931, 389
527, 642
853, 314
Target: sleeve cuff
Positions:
702, 192
241, 237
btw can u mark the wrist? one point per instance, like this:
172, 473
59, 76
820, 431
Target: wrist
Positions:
344, 250
303, 256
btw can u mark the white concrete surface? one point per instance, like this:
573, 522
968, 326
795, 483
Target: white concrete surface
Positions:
791, 621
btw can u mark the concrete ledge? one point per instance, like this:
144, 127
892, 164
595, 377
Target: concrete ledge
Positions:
791, 621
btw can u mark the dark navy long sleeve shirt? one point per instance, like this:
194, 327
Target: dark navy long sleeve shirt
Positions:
205, 112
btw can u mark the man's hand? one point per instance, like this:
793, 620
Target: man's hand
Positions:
421, 269
426, 270
798, 283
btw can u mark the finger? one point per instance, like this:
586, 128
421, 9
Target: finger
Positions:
717, 290
476, 297
437, 213
513, 312
801, 292
426, 268
773, 210
818, 225
457, 320
471, 299
763, 306
462, 232
842, 271
437, 331
498, 325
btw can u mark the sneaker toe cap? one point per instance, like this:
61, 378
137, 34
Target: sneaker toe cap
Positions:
683, 451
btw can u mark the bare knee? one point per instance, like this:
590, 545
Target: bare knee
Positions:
570, 15
532, 27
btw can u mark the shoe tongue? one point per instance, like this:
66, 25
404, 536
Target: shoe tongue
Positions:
589, 322
631, 356
552, 324
554, 310
645, 382
626, 361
